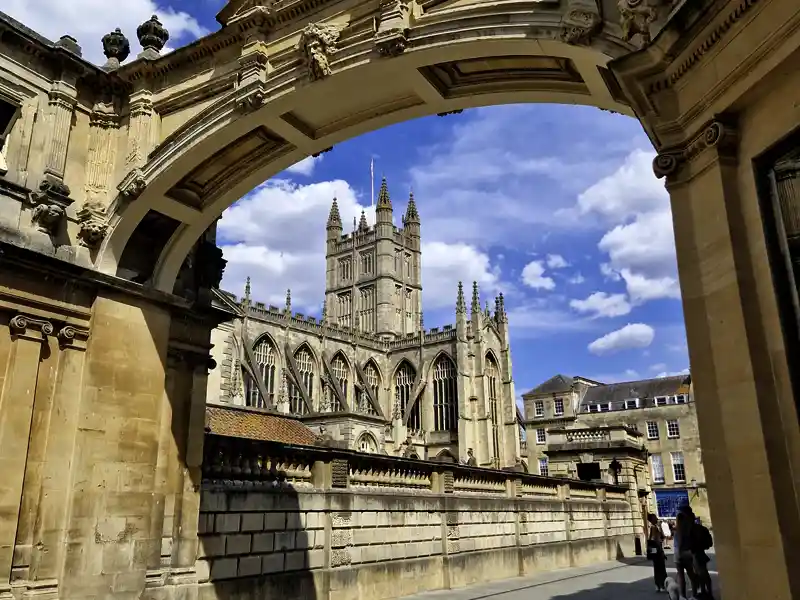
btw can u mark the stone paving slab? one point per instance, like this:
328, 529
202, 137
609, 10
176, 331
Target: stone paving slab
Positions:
618, 580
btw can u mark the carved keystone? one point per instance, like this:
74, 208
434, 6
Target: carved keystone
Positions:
317, 44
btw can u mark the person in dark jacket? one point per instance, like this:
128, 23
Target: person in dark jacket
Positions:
655, 551
684, 559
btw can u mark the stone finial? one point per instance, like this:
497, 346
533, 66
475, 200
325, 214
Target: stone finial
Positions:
362, 223
497, 308
334, 218
461, 303
288, 308
486, 310
153, 36
476, 298
324, 318
384, 202
411, 216
503, 315
116, 49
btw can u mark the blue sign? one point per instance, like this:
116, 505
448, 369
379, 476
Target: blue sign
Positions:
668, 502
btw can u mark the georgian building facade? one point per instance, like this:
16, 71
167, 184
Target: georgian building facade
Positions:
366, 373
661, 410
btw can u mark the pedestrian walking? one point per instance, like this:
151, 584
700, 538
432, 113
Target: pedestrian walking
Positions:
655, 551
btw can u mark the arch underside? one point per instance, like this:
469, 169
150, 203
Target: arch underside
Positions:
220, 153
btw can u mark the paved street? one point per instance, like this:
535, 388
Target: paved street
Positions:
628, 580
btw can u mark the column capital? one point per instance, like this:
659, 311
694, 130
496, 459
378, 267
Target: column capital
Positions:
72, 336
30, 328
720, 137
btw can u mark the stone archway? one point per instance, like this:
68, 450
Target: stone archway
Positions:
203, 145
711, 91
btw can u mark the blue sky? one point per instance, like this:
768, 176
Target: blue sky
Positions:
555, 206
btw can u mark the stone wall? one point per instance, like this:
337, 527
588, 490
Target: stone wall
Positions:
310, 523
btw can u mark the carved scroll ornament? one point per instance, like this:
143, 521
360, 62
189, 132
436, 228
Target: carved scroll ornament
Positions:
133, 184
317, 44
19, 324
719, 135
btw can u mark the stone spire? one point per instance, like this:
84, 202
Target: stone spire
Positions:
476, 298
362, 223
498, 309
503, 315
324, 318
461, 303
288, 308
246, 299
334, 218
486, 311
411, 216
383, 196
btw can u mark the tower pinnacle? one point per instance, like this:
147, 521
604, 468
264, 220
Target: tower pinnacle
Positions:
334, 218
362, 224
411, 216
383, 196
476, 298
288, 308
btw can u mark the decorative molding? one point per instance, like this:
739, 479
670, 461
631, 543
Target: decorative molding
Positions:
71, 336
391, 39
636, 17
93, 223
317, 45
132, 184
582, 20
720, 135
20, 324
50, 202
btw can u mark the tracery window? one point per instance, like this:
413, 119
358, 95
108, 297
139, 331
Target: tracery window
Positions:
373, 381
445, 395
305, 367
340, 372
493, 384
266, 360
367, 443
403, 388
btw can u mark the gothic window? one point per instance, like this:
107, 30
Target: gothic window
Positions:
345, 269
409, 312
305, 368
340, 372
445, 395
493, 385
403, 388
398, 262
408, 265
343, 309
367, 263
373, 381
367, 443
366, 313
265, 355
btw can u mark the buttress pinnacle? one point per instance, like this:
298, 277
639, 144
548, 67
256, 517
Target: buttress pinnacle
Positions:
362, 224
288, 308
461, 303
411, 216
476, 298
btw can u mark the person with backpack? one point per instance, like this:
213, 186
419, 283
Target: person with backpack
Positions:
701, 541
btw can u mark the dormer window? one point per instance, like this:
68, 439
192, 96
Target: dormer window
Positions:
631, 403
662, 400
605, 407
681, 399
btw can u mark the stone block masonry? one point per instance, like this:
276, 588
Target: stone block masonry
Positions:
276, 521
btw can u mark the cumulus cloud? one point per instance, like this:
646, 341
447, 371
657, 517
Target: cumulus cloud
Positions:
533, 276
276, 236
556, 261
602, 304
576, 279
640, 244
633, 335
305, 166
89, 20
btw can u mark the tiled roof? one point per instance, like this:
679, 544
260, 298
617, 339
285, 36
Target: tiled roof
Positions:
559, 383
646, 388
257, 425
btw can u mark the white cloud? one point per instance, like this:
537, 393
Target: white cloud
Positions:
533, 276
556, 261
640, 245
626, 375
672, 373
602, 304
535, 319
576, 279
89, 20
305, 166
633, 335
276, 236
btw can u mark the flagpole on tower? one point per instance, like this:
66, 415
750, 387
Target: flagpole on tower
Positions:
372, 181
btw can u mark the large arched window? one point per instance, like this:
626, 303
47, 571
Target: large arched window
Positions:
266, 361
445, 395
367, 443
493, 387
403, 388
305, 368
341, 371
373, 380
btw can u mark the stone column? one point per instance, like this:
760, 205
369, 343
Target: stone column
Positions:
114, 463
745, 404
787, 188
28, 334
41, 536
62, 100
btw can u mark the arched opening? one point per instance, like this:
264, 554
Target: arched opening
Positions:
367, 443
266, 356
404, 379
373, 381
445, 395
341, 373
304, 360
492, 374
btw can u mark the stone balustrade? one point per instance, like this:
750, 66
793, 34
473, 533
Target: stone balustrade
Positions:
313, 523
